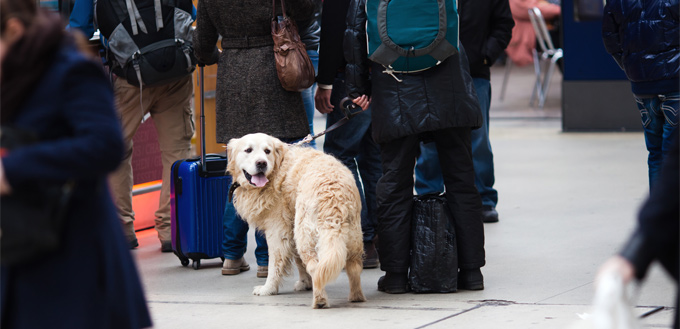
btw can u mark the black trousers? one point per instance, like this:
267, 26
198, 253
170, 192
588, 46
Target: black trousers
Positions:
395, 197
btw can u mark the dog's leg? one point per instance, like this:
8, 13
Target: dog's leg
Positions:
353, 269
305, 282
280, 253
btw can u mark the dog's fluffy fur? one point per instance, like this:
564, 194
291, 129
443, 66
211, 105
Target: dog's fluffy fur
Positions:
308, 205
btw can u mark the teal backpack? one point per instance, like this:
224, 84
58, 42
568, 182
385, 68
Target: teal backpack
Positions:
408, 36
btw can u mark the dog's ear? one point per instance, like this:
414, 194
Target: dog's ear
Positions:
280, 149
230, 155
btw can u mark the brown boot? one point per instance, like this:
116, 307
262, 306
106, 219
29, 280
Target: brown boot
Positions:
262, 271
370, 255
231, 266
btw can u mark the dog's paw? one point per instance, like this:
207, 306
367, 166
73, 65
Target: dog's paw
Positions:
320, 303
356, 297
264, 291
303, 285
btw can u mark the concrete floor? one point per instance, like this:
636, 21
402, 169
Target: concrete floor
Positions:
567, 201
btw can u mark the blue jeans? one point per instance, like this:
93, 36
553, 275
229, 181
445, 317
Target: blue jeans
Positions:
659, 119
308, 95
428, 173
353, 145
235, 242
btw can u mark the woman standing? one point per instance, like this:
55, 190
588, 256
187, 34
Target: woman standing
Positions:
250, 97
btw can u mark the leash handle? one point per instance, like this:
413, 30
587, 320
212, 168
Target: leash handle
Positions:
347, 105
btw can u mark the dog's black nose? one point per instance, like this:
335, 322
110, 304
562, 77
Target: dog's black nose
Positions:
261, 165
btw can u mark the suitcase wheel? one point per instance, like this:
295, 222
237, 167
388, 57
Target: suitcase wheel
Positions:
196, 264
185, 262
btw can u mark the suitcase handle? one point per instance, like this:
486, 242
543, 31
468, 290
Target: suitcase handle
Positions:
202, 117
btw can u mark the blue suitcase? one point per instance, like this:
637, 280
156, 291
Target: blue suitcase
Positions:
198, 197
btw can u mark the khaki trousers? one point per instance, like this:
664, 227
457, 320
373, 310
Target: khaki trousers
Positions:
170, 107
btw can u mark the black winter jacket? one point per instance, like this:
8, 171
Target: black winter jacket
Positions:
644, 39
438, 98
485, 31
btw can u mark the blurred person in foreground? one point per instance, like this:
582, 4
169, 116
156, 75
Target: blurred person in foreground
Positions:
51, 90
656, 236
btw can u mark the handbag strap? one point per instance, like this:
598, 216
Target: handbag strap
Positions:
283, 9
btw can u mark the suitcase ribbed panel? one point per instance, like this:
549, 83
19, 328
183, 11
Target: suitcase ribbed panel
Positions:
209, 230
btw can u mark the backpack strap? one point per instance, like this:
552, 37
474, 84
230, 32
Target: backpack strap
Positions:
159, 14
135, 18
388, 51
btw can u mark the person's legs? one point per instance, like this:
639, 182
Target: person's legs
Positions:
669, 107
394, 194
308, 95
455, 157
235, 241
652, 123
173, 117
482, 155
428, 173
120, 181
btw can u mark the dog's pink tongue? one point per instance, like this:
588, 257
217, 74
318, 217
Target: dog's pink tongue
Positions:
259, 180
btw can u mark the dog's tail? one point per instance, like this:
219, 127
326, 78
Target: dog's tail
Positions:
332, 258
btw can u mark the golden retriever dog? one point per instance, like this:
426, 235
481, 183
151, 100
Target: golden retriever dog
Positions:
308, 205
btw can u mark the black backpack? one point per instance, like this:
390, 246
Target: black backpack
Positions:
149, 42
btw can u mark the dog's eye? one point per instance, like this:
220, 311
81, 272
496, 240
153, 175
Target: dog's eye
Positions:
267, 151
248, 150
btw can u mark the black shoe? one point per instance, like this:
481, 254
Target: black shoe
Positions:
370, 255
470, 280
489, 214
133, 243
166, 246
393, 283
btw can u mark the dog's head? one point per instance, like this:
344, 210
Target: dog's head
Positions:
254, 158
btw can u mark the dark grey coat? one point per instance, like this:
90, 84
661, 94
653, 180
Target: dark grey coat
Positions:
249, 95
438, 98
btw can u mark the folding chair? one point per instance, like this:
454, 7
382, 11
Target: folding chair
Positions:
548, 57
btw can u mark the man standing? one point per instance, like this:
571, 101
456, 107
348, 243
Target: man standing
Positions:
352, 143
485, 31
168, 103
644, 39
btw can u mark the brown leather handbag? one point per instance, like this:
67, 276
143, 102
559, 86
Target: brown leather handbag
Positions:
294, 68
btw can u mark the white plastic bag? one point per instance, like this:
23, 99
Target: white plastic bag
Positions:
612, 307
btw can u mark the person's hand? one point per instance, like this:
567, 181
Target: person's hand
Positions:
362, 101
5, 189
618, 265
322, 100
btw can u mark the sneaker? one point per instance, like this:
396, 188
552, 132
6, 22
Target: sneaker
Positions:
232, 267
262, 271
470, 280
394, 283
489, 214
370, 255
166, 246
133, 243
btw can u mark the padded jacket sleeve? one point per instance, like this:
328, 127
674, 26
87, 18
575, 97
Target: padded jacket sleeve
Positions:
356, 54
